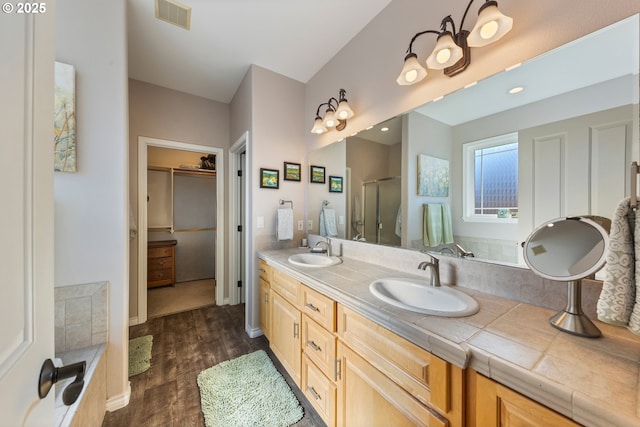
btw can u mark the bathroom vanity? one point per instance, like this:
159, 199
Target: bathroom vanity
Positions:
361, 361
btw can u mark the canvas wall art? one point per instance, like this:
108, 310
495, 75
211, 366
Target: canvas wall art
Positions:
433, 176
64, 124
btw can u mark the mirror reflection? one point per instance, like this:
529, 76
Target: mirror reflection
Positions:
550, 138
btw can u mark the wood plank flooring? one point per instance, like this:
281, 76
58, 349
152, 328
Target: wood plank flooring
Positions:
184, 344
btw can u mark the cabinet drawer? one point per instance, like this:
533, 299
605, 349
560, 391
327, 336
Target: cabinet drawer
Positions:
264, 271
159, 263
159, 252
158, 275
319, 345
367, 397
286, 286
319, 308
320, 391
428, 378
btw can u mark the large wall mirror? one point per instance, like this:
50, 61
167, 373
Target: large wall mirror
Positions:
560, 146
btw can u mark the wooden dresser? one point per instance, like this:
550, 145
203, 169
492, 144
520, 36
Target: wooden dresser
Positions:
161, 269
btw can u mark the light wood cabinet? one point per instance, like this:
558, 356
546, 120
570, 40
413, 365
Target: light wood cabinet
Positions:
431, 381
285, 334
492, 404
264, 278
367, 397
319, 390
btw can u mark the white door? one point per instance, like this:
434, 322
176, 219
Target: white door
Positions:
26, 213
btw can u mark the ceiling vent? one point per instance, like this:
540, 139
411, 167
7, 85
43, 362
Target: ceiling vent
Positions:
174, 13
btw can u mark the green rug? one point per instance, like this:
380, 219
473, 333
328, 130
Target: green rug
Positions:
247, 391
140, 354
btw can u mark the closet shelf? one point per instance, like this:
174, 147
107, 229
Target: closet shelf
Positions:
183, 171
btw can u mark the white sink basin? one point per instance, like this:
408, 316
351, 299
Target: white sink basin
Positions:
313, 260
416, 295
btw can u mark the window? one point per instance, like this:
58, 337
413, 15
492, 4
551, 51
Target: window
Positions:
491, 178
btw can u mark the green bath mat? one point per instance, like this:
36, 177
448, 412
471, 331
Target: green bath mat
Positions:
247, 391
140, 354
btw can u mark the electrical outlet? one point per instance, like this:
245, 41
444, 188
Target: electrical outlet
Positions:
341, 220
300, 225
260, 222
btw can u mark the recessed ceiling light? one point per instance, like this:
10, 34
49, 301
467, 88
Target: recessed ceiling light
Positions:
516, 89
384, 129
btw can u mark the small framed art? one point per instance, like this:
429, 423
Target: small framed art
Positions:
269, 178
291, 171
317, 174
335, 184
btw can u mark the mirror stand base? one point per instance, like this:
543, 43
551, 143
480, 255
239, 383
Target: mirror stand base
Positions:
575, 324
572, 320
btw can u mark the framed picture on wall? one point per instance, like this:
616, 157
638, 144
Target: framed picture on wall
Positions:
269, 178
335, 184
292, 171
317, 174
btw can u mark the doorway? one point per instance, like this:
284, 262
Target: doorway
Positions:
144, 144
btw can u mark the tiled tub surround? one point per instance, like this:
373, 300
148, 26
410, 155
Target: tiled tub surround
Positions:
81, 315
81, 333
593, 381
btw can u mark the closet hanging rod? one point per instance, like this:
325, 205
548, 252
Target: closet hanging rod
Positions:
633, 181
282, 202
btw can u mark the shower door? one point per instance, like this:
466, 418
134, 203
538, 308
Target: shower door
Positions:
380, 211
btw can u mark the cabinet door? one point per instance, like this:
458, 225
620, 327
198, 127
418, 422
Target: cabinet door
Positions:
366, 397
285, 335
497, 405
265, 307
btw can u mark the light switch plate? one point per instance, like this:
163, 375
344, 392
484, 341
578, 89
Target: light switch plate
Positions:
260, 222
341, 219
300, 225
310, 225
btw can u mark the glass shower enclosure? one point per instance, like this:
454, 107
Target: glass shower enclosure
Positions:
381, 211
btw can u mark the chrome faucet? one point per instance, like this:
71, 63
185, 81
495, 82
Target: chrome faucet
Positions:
434, 267
327, 244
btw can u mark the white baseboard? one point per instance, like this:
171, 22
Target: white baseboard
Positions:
120, 401
253, 332
134, 321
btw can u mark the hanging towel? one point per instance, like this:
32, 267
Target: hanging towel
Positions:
284, 225
437, 229
619, 302
328, 227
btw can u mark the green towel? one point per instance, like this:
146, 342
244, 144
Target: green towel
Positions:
437, 224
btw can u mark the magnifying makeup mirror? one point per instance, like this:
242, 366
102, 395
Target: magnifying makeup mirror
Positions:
568, 250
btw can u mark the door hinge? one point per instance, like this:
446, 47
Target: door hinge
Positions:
240, 228
239, 283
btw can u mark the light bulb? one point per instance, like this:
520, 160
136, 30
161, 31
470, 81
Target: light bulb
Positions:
489, 30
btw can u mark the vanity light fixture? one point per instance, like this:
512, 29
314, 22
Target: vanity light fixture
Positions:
452, 50
335, 116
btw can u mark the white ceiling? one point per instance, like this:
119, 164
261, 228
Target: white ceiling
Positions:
294, 38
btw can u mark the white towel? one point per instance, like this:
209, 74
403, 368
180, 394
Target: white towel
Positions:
284, 225
328, 225
399, 222
619, 302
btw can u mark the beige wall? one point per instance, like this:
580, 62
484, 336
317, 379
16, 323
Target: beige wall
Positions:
368, 66
162, 113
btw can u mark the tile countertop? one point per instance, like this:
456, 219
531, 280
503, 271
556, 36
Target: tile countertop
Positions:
595, 382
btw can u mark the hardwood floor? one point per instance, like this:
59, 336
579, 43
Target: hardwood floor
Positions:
183, 345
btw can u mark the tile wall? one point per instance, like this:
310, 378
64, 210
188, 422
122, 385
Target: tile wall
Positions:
81, 316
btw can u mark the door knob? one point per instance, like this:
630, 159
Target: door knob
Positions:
49, 375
